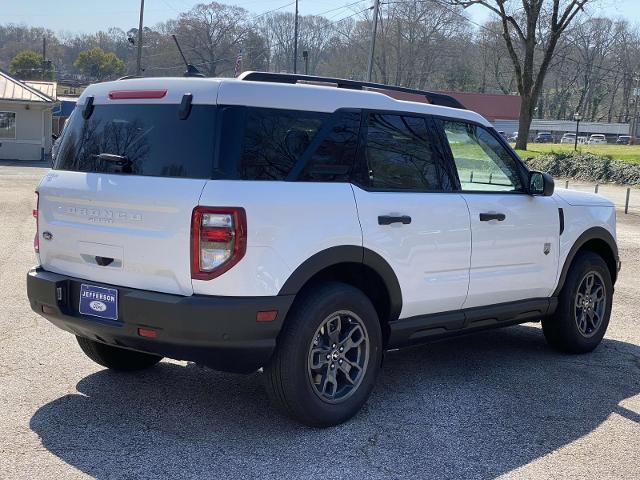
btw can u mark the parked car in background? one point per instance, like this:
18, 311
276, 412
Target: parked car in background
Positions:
624, 140
513, 137
544, 137
503, 134
597, 139
568, 138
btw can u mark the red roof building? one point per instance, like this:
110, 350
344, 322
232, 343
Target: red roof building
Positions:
492, 106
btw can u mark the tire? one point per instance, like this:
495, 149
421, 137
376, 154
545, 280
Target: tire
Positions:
332, 329
576, 326
116, 358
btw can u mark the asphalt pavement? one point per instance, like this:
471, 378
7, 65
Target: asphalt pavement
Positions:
495, 404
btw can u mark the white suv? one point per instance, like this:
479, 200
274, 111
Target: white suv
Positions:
304, 225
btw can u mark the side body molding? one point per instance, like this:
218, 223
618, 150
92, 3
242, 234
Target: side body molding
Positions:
594, 233
343, 255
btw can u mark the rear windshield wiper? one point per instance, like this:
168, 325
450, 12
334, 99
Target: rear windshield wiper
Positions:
110, 157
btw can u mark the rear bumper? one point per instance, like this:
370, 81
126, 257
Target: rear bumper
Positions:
220, 332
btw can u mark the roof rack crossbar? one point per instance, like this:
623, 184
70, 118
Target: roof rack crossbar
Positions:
432, 97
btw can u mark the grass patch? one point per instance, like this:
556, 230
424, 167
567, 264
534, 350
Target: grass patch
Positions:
623, 153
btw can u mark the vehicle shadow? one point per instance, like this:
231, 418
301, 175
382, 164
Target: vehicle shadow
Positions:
475, 407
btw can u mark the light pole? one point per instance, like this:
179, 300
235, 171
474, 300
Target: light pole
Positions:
577, 117
634, 120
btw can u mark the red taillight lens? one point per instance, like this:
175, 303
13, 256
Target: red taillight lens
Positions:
136, 94
36, 239
218, 240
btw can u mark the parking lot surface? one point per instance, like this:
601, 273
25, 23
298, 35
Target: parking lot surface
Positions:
496, 404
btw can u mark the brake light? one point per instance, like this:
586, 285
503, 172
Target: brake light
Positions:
36, 239
218, 240
136, 94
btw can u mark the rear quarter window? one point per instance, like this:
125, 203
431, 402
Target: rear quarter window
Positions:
148, 140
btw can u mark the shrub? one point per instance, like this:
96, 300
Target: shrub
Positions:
586, 166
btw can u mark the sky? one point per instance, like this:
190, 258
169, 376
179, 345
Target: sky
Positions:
86, 16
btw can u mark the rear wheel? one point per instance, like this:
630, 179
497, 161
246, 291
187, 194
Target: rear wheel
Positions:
584, 307
328, 356
117, 358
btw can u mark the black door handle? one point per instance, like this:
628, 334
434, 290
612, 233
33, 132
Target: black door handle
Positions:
388, 219
486, 217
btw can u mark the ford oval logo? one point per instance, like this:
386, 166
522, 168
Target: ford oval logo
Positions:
97, 306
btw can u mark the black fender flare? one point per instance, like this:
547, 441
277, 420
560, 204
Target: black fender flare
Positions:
347, 254
593, 233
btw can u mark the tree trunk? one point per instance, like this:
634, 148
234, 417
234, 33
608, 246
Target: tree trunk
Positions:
526, 111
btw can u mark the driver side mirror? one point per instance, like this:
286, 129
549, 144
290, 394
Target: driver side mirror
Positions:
541, 184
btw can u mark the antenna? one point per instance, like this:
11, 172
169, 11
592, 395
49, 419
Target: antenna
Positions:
191, 71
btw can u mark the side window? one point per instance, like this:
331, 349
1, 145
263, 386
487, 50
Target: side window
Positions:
401, 155
333, 160
274, 140
483, 163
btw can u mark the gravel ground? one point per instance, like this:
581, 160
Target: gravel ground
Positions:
495, 404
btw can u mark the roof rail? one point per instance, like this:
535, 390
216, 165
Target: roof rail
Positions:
432, 97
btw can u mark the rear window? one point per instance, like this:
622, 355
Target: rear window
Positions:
147, 140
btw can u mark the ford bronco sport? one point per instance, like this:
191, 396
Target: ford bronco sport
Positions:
304, 225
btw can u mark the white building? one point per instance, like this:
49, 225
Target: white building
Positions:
25, 118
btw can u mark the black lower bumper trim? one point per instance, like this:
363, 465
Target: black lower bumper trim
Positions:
220, 332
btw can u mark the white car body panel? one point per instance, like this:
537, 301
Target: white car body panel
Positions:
430, 256
143, 223
587, 210
287, 223
508, 262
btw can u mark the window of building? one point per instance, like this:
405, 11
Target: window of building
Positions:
7, 125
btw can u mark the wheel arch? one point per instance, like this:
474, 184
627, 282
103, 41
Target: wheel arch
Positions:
357, 266
597, 240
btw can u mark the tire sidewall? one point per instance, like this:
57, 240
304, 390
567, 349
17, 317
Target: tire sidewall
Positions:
586, 262
323, 305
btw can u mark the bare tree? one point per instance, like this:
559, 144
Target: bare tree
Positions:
531, 36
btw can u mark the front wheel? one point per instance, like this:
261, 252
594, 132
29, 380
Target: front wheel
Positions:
328, 356
584, 306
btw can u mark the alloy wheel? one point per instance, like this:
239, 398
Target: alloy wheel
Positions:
590, 304
338, 356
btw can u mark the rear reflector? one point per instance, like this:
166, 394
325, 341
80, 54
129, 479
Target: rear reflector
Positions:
136, 94
147, 332
268, 316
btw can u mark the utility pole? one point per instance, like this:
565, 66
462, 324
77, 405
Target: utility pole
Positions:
44, 56
139, 60
374, 30
295, 42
